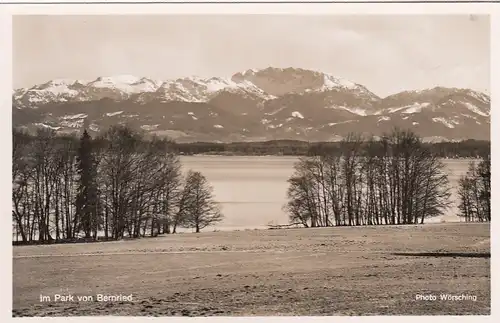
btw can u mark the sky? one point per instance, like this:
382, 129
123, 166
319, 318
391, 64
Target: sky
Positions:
387, 54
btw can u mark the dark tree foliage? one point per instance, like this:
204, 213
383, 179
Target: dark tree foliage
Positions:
88, 208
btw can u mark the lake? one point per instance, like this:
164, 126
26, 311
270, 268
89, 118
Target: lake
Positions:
252, 189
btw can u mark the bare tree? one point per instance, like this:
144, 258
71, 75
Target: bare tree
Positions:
351, 151
198, 208
121, 183
474, 192
119, 167
166, 192
302, 207
21, 174
395, 180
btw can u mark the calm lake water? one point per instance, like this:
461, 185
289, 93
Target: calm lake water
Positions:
252, 190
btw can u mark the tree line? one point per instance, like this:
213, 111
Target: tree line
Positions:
120, 184
463, 149
395, 179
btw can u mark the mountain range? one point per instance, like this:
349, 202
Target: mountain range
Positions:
253, 105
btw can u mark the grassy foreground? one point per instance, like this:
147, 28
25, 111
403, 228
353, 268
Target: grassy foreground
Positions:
324, 271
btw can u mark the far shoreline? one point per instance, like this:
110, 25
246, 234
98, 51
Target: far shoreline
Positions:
293, 156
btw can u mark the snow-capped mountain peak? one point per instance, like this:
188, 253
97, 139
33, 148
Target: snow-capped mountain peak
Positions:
116, 79
125, 85
198, 89
59, 82
251, 71
331, 81
269, 103
119, 82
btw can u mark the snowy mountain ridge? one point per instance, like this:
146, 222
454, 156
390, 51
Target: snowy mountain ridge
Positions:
256, 104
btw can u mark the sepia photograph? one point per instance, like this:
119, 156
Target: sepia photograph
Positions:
237, 165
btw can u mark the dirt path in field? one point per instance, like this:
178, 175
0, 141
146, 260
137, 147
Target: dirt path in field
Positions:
330, 271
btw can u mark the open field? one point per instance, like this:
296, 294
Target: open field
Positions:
324, 271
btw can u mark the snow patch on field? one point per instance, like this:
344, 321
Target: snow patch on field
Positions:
396, 109
297, 114
468, 116
192, 115
110, 114
218, 126
43, 125
410, 109
78, 123
271, 126
148, 127
380, 119
358, 111
74, 116
480, 96
475, 109
336, 123
275, 111
445, 122
36, 99
416, 108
